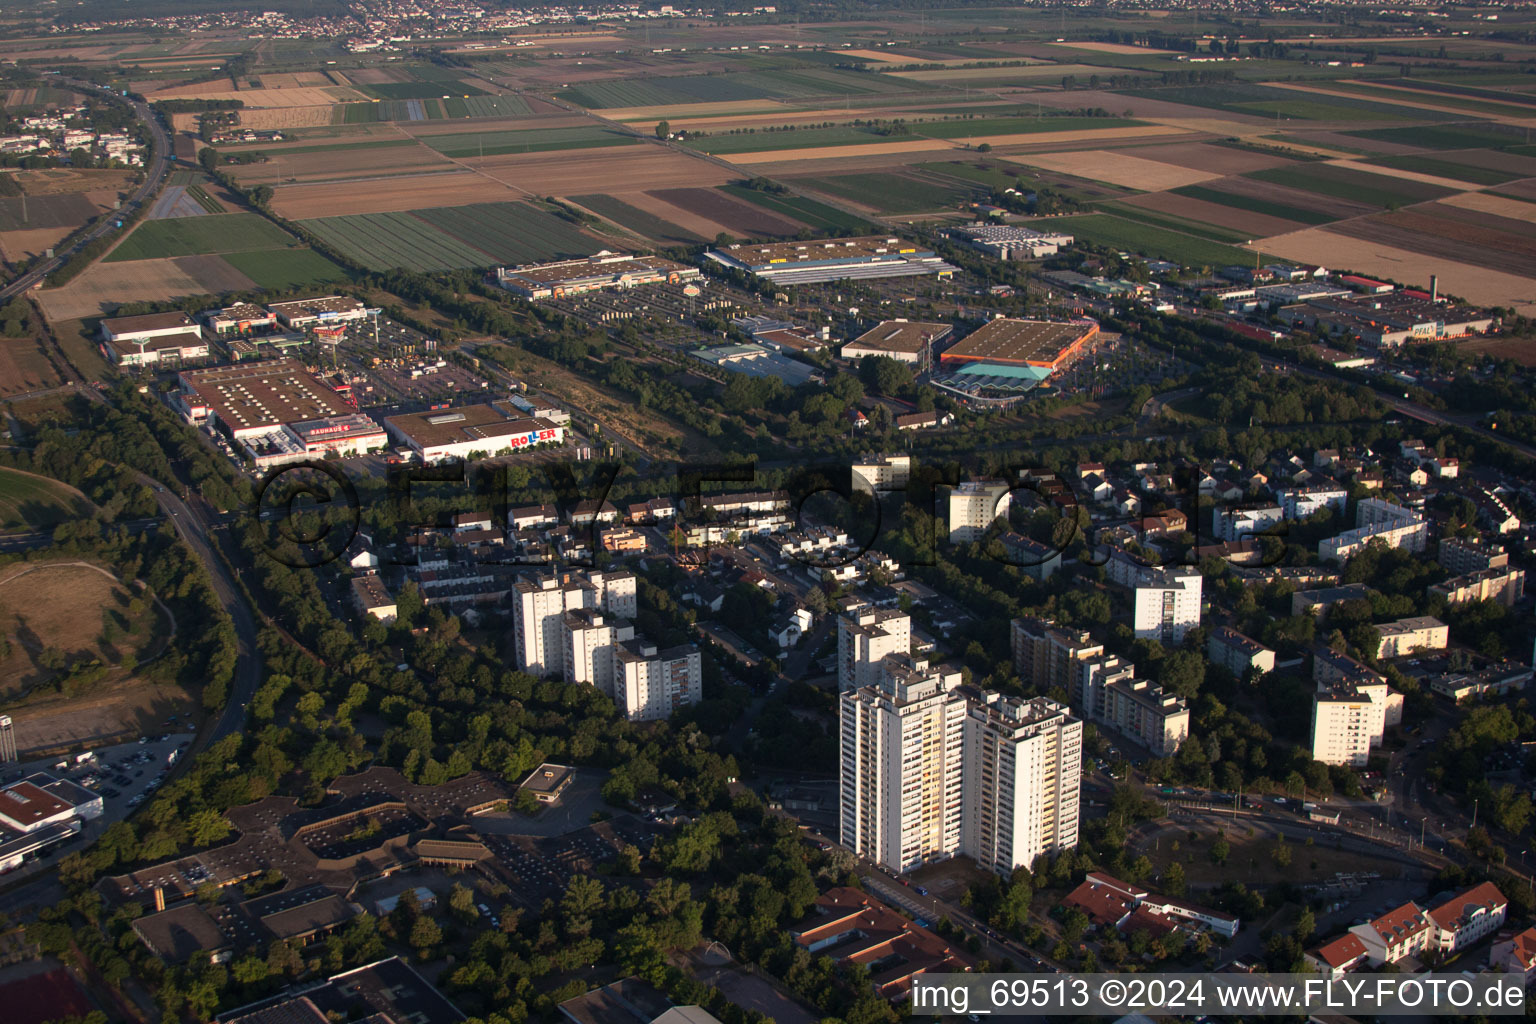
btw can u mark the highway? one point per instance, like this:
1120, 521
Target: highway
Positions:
155, 171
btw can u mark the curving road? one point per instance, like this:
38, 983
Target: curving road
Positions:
155, 171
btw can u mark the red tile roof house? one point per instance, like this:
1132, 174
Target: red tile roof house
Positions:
1343, 954
1468, 917
1404, 931
853, 927
1100, 894
1516, 955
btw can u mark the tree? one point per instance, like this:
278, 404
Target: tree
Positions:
1173, 880
663, 129
261, 195
425, 934
1220, 850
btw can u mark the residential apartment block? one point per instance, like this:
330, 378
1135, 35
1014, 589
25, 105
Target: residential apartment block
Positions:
539, 608
972, 507
1237, 653
1351, 709
1503, 585
1376, 519
1416, 633
866, 635
651, 684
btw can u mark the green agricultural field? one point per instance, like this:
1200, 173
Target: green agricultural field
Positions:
1253, 204
1182, 224
779, 84
36, 502
511, 232
892, 193
200, 236
1446, 169
536, 140
1348, 183
384, 241
1470, 104
647, 225
419, 90
1149, 240
990, 176
807, 211
200, 196
1472, 135
1246, 98
453, 237
280, 269
981, 126
487, 106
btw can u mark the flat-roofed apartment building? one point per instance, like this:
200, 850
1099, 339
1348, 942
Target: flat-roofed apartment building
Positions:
1504, 585
152, 339
973, 506
1237, 653
539, 607
652, 683
881, 473
836, 259
907, 341
1375, 519
594, 273
1023, 773
902, 752
865, 636
1351, 709
1415, 633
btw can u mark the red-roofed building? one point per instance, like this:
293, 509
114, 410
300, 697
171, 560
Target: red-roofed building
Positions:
1464, 919
1103, 905
26, 808
1516, 955
1142, 919
1403, 931
1344, 953
1365, 284
853, 927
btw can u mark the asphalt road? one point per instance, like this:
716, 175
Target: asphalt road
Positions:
155, 171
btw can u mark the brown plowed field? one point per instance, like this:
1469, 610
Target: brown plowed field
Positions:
642, 167
463, 126
59, 180
1143, 107
1521, 350
214, 274
1526, 187
1510, 163
269, 118
1340, 141
687, 219
1118, 168
1257, 225
1205, 157
738, 217
1464, 243
390, 195
1485, 202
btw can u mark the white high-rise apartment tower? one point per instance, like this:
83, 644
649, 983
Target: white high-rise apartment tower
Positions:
1023, 766
902, 749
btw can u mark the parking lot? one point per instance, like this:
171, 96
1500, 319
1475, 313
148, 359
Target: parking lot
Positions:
125, 775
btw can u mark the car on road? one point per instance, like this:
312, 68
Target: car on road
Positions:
921, 891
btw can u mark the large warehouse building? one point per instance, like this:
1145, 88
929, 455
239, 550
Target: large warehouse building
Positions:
277, 411
1013, 356
604, 270
152, 339
834, 259
459, 433
328, 309
908, 341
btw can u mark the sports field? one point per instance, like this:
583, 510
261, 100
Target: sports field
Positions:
198, 236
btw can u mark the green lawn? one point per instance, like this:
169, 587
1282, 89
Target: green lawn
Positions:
1348, 183
1151, 240
280, 269
199, 236
1253, 204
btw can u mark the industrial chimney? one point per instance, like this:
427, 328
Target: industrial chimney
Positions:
1434, 288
